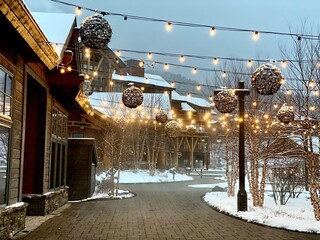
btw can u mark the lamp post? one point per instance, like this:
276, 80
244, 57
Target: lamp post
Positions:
242, 194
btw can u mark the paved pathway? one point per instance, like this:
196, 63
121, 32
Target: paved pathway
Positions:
159, 211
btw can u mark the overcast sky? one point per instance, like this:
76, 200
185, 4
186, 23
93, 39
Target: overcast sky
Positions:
271, 15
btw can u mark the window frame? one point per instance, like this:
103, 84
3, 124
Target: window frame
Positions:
5, 94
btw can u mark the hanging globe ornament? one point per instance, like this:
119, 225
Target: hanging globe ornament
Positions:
191, 129
95, 32
132, 97
285, 114
225, 101
266, 79
161, 116
172, 128
86, 88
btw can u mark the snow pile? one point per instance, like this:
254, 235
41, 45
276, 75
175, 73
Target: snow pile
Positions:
143, 176
296, 215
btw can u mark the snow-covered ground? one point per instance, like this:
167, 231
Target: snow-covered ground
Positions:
297, 214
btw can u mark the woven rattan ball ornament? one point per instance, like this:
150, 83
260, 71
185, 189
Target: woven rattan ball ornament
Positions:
172, 128
225, 101
161, 116
132, 97
285, 114
266, 79
95, 32
191, 129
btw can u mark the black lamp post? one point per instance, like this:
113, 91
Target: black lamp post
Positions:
242, 194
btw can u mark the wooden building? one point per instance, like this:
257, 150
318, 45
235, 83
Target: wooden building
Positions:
36, 104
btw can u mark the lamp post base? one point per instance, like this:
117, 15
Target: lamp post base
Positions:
242, 201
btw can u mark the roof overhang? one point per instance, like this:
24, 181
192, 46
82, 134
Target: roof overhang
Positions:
21, 19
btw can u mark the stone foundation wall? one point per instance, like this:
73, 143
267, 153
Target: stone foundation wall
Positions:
41, 205
12, 220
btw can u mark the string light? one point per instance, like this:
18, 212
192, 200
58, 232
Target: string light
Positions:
141, 63
78, 11
249, 64
198, 87
149, 55
166, 66
194, 70
172, 83
118, 53
255, 36
284, 64
215, 61
169, 26
212, 31
69, 68
182, 58
224, 74
62, 70
95, 73
187, 24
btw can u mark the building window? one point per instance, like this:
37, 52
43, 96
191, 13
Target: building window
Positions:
58, 149
5, 93
4, 157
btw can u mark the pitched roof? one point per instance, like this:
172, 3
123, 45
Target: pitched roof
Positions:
21, 19
110, 104
148, 79
60, 32
200, 102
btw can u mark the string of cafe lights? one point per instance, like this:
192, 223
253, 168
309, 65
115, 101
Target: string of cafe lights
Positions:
170, 23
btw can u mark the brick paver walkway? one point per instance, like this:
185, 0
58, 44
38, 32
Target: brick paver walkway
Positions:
159, 211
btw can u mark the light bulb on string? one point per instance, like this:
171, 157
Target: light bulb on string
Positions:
69, 68
78, 11
289, 92
283, 81
249, 63
198, 87
141, 63
62, 70
182, 58
172, 83
169, 26
149, 55
255, 36
215, 61
166, 66
212, 31
95, 73
284, 64
224, 74
194, 70
118, 53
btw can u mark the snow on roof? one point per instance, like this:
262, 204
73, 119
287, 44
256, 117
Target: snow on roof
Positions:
148, 79
186, 107
57, 27
110, 104
193, 100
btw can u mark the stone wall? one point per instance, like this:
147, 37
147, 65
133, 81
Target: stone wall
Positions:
12, 220
41, 205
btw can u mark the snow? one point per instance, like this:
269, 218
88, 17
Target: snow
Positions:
143, 176
107, 103
192, 100
186, 107
148, 79
15, 205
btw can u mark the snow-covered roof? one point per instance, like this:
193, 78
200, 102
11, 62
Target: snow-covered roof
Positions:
148, 79
193, 100
57, 27
186, 107
110, 104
